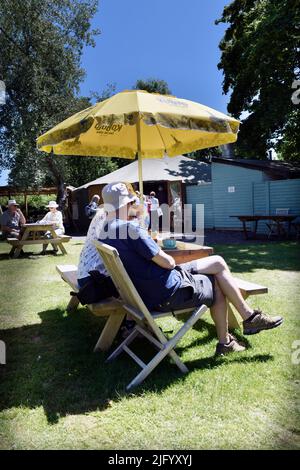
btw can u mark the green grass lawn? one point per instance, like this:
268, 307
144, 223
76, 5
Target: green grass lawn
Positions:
55, 393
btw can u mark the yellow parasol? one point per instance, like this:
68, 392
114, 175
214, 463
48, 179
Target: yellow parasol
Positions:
137, 123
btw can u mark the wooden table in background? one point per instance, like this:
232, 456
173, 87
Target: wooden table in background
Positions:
33, 235
185, 252
278, 219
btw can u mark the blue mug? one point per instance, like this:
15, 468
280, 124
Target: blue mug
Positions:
169, 243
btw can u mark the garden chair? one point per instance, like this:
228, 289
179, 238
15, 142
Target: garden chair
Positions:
275, 227
145, 320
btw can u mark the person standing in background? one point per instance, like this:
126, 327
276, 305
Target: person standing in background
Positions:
155, 212
143, 216
92, 207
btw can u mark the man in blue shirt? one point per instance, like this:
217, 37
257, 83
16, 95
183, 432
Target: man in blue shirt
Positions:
164, 286
154, 283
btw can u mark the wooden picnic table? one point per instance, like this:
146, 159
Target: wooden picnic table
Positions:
115, 313
112, 308
277, 219
32, 234
185, 252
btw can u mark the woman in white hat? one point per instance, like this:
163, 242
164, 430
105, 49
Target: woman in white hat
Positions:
53, 217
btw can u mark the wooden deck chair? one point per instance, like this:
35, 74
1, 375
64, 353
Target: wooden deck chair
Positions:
146, 325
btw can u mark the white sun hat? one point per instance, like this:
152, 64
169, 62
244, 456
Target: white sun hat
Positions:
52, 204
117, 195
12, 202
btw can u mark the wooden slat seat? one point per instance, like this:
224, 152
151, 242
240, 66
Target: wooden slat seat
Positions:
247, 288
54, 241
28, 239
68, 273
250, 288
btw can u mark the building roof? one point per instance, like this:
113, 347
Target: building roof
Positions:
178, 168
274, 168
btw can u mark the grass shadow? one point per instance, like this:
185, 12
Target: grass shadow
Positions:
283, 256
52, 364
212, 362
210, 329
31, 255
4, 256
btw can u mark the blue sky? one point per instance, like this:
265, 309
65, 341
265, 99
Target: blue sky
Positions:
168, 39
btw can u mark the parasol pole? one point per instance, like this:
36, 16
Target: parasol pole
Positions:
140, 161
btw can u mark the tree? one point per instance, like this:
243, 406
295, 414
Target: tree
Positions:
41, 46
289, 147
78, 170
153, 85
205, 155
85, 169
260, 61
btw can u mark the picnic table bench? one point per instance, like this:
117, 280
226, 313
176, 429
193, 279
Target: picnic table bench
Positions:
109, 307
33, 235
113, 309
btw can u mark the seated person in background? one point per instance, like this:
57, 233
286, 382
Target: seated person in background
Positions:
90, 259
53, 217
92, 207
11, 220
164, 286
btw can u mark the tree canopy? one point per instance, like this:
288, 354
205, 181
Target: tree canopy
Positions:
153, 85
41, 47
260, 61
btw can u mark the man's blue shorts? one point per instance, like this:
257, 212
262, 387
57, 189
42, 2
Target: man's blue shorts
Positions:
195, 290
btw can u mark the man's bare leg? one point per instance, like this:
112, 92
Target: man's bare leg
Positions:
227, 343
217, 266
219, 314
254, 320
